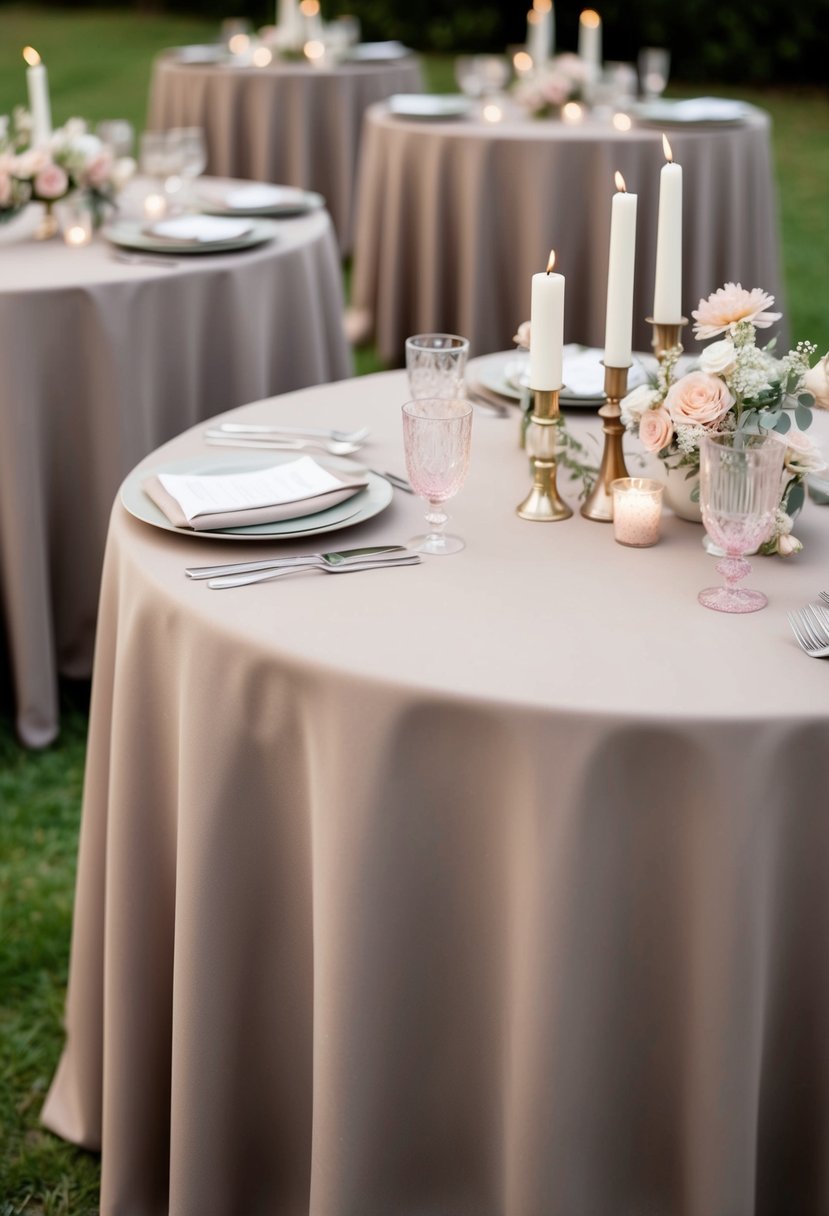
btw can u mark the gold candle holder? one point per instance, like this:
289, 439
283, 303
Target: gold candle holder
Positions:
666, 337
543, 501
599, 503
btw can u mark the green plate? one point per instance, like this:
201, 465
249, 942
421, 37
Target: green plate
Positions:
129, 234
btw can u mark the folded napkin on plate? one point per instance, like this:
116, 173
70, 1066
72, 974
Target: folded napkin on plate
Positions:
198, 229
232, 500
249, 198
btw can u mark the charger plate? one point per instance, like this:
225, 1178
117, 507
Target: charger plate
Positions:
355, 510
130, 234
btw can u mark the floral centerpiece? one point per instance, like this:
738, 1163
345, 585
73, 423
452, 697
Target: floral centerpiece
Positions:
547, 88
737, 386
71, 160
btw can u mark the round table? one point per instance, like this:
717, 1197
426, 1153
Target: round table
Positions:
289, 122
490, 885
455, 217
103, 360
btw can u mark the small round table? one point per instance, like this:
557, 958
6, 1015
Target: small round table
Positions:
103, 359
455, 217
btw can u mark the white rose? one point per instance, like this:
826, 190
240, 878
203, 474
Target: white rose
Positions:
802, 453
816, 382
719, 357
638, 400
787, 545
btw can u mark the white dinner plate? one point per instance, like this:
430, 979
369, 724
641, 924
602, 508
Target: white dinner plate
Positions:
506, 371
277, 202
199, 229
129, 234
195, 55
693, 111
355, 510
378, 52
429, 107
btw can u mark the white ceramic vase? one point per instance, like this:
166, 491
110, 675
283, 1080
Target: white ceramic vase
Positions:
678, 490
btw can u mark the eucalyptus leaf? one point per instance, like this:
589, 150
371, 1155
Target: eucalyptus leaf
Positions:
783, 424
795, 498
694, 495
770, 418
803, 417
806, 399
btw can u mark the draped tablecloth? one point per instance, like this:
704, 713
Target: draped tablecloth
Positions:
495, 885
102, 361
289, 122
454, 218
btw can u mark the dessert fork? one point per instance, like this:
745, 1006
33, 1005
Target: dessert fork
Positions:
811, 628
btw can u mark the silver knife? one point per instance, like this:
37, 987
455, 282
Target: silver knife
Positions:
341, 557
354, 567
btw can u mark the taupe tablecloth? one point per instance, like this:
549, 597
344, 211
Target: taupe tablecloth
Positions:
102, 361
454, 218
495, 886
288, 123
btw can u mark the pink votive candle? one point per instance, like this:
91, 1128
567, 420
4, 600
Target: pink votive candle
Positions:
637, 511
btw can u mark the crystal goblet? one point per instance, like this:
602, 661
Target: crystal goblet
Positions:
739, 495
436, 438
436, 364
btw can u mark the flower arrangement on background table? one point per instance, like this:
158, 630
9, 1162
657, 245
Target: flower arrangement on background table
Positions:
738, 386
544, 90
71, 160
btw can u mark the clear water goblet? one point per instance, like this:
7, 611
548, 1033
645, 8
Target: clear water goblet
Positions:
654, 68
188, 150
118, 134
436, 438
739, 495
436, 364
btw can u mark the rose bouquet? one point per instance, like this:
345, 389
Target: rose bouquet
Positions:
72, 159
546, 89
739, 386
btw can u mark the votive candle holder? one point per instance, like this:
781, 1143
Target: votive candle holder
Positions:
637, 511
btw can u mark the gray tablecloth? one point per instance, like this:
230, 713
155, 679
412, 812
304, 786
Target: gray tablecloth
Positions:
101, 362
495, 886
454, 218
288, 123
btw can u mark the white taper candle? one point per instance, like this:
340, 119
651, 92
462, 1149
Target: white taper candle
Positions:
38, 85
667, 294
620, 274
547, 329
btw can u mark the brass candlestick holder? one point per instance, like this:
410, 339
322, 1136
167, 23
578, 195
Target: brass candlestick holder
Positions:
666, 337
599, 503
543, 501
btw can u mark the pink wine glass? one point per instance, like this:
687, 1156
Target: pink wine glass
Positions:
436, 436
739, 495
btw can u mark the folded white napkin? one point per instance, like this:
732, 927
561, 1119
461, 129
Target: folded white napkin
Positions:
698, 109
198, 229
249, 198
207, 502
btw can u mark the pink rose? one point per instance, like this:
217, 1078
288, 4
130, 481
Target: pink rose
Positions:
698, 398
656, 429
99, 169
51, 183
816, 382
5, 189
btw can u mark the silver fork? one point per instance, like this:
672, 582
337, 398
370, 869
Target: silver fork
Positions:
824, 595
312, 432
811, 628
341, 557
274, 443
266, 576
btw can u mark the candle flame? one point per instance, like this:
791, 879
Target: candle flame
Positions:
620, 183
551, 261
542, 6
666, 148
31, 56
309, 8
533, 16
590, 18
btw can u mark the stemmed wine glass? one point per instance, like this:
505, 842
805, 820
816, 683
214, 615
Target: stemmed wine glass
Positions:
740, 477
436, 437
654, 66
435, 364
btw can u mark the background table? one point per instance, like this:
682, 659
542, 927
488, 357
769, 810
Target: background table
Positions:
102, 361
289, 123
496, 885
454, 218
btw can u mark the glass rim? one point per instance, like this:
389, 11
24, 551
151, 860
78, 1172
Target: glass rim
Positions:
645, 485
420, 340
445, 402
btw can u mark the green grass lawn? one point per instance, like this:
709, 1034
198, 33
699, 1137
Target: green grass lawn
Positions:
99, 65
